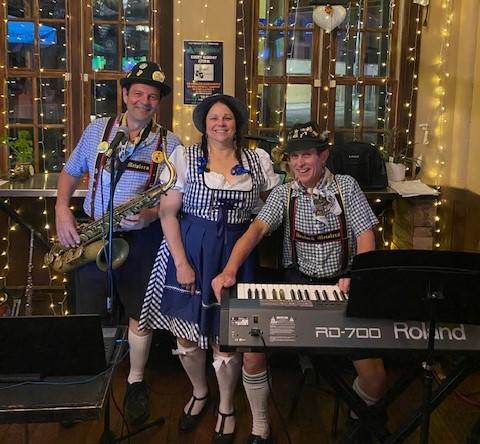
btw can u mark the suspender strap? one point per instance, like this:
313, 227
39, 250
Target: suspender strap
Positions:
291, 209
99, 164
343, 227
153, 171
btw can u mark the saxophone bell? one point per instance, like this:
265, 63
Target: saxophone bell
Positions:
120, 249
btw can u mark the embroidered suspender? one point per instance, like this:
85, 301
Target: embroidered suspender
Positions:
99, 164
101, 160
296, 235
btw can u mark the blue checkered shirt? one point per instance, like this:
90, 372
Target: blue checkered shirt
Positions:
319, 260
131, 183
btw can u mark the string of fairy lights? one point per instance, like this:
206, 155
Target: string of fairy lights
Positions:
442, 76
440, 118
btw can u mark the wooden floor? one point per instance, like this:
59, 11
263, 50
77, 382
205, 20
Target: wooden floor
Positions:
310, 423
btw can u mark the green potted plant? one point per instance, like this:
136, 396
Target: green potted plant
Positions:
21, 148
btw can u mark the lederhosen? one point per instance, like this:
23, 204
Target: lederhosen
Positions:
293, 273
130, 280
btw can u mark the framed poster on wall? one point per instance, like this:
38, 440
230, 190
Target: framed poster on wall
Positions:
202, 70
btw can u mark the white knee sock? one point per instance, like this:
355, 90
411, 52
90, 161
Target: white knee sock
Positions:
139, 347
256, 388
366, 398
227, 369
193, 361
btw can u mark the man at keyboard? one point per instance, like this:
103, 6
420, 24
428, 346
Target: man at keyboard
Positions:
327, 220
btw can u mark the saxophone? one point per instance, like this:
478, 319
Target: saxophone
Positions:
92, 235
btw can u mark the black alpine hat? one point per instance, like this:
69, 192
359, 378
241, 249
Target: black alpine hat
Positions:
238, 107
303, 136
148, 73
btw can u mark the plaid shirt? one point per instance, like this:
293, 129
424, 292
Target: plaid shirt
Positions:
131, 184
320, 260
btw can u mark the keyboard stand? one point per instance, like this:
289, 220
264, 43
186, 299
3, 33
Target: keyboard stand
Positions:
421, 285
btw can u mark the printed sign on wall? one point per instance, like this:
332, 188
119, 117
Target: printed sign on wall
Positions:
202, 70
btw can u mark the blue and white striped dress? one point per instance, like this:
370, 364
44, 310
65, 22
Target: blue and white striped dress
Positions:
211, 222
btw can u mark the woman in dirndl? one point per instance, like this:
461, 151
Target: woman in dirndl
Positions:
209, 208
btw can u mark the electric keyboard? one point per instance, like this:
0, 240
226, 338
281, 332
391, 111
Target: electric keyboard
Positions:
255, 317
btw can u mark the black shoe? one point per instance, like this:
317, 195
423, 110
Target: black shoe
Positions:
136, 403
255, 439
220, 437
188, 421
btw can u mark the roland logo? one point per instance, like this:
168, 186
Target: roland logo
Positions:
354, 156
402, 330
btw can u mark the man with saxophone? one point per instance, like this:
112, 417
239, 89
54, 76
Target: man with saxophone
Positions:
139, 164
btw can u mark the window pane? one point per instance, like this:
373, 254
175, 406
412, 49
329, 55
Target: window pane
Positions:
354, 16
374, 115
51, 108
137, 10
374, 138
136, 46
106, 9
53, 148
20, 100
341, 138
20, 39
270, 100
378, 14
348, 54
21, 144
20, 8
52, 46
272, 12
346, 106
105, 48
376, 55
52, 8
299, 99
299, 59
271, 53
104, 101
300, 13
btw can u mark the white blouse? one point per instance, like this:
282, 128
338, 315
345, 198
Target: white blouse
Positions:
242, 182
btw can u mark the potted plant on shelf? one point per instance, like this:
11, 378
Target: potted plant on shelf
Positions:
21, 148
395, 152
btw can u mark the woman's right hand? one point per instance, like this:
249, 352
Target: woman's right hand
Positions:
186, 277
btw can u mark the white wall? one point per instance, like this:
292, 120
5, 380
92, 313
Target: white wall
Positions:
219, 24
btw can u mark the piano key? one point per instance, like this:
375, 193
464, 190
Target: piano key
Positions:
269, 288
264, 293
330, 295
282, 294
241, 293
306, 295
336, 295
317, 294
250, 293
324, 294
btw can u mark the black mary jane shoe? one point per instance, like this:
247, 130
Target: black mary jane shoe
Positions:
188, 421
220, 437
255, 439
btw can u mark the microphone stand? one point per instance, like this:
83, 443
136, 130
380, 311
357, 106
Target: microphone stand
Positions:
111, 303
